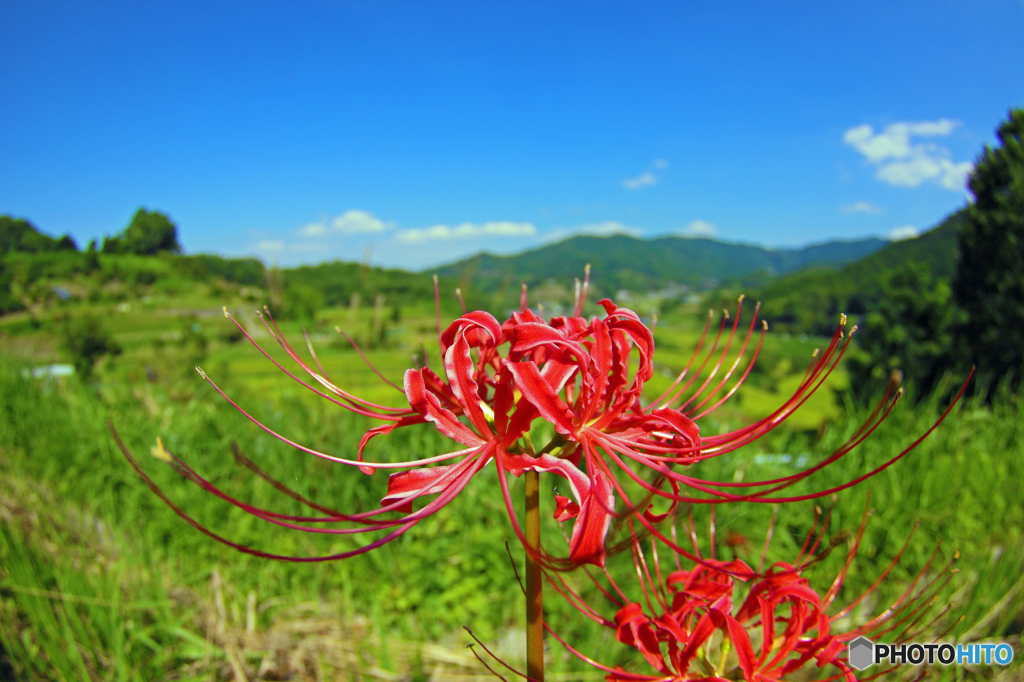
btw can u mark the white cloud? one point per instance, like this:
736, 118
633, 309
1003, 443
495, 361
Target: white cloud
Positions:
861, 207
270, 245
639, 181
466, 231
904, 162
314, 230
660, 164
699, 228
359, 222
898, 234
913, 172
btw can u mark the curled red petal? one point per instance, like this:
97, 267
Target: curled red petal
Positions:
680, 424
458, 364
565, 508
443, 418
417, 482
536, 389
586, 546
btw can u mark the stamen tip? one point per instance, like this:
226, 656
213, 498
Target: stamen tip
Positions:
435, 279
201, 372
842, 319
226, 313
956, 555
740, 299
764, 324
586, 269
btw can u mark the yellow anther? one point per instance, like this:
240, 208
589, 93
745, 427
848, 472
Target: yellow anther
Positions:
159, 452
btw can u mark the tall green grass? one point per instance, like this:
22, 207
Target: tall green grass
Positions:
962, 484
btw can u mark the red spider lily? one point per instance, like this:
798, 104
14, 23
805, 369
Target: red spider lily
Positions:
575, 374
778, 625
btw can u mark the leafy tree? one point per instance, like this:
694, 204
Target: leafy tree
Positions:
92, 258
149, 233
989, 280
8, 303
911, 330
18, 234
87, 341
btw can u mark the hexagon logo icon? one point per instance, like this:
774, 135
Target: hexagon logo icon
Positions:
861, 653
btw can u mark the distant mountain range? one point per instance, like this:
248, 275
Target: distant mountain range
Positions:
641, 265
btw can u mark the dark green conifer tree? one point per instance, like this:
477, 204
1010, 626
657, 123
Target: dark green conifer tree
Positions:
989, 281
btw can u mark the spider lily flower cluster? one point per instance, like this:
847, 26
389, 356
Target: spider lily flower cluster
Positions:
584, 377
718, 620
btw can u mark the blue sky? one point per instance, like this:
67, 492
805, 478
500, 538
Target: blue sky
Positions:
426, 131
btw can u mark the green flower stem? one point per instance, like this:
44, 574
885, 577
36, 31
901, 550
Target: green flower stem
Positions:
534, 583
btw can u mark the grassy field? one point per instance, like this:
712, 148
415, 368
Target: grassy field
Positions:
100, 580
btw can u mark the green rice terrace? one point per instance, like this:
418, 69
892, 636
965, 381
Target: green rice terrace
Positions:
101, 580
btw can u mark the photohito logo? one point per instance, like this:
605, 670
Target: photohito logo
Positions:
862, 652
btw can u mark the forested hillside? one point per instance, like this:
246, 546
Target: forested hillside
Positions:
637, 265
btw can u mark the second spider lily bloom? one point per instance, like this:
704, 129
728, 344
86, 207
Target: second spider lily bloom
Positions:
769, 624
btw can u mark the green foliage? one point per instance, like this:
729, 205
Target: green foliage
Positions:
911, 331
17, 234
148, 233
247, 271
989, 281
811, 299
338, 281
87, 341
59, 622
8, 302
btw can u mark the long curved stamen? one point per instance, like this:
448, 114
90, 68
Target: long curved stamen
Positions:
721, 358
283, 342
332, 458
739, 358
707, 358
696, 351
366, 360
351, 402
746, 373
